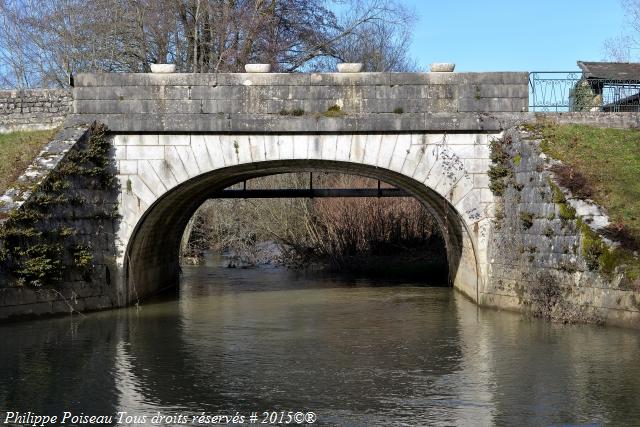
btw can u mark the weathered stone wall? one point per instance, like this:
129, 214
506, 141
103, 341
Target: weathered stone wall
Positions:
331, 102
57, 229
166, 177
535, 249
606, 120
33, 109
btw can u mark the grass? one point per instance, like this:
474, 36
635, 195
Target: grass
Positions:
605, 165
334, 111
609, 161
17, 151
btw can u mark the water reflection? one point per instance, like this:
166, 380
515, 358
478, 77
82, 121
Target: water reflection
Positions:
356, 354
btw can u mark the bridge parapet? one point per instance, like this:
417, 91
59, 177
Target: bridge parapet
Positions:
33, 109
274, 102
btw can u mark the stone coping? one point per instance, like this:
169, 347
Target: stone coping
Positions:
254, 123
296, 79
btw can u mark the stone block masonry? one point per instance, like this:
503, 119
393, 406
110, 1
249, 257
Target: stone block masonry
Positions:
330, 102
33, 109
536, 257
623, 120
166, 177
58, 227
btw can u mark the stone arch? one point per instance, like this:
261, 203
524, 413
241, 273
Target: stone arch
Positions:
165, 178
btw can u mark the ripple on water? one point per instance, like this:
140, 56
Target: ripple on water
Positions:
355, 351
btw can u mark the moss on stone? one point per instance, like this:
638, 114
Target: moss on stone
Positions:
295, 112
566, 212
334, 111
593, 247
558, 195
517, 159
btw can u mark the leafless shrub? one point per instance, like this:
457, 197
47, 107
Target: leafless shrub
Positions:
574, 180
354, 227
619, 232
543, 295
333, 230
41, 41
546, 298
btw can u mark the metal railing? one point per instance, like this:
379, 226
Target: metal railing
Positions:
563, 91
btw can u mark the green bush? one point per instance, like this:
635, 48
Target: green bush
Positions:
582, 97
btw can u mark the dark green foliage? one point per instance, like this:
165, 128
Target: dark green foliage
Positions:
38, 244
527, 220
497, 181
501, 173
40, 263
295, 112
582, 97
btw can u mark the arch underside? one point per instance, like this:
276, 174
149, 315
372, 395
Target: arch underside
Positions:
151, 260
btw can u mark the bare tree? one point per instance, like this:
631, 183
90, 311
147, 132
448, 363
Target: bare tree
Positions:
334, 230
41, 41
380, 40
620, 48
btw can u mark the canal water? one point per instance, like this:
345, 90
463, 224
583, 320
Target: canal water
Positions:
352, 351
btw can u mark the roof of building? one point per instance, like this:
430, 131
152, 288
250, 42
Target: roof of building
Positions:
611, 70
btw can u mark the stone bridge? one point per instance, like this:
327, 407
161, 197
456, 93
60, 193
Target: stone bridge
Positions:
175, 140
179, 138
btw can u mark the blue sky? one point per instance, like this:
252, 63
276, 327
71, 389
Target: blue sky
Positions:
514, 35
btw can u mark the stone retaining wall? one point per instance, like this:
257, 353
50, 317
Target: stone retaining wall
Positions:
607, 120
33, 109
64, 210
536, 261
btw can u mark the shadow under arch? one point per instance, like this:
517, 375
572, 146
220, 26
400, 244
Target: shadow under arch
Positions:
151, 262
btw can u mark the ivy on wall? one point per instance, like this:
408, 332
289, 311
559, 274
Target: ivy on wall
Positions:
501, 170
51, 237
